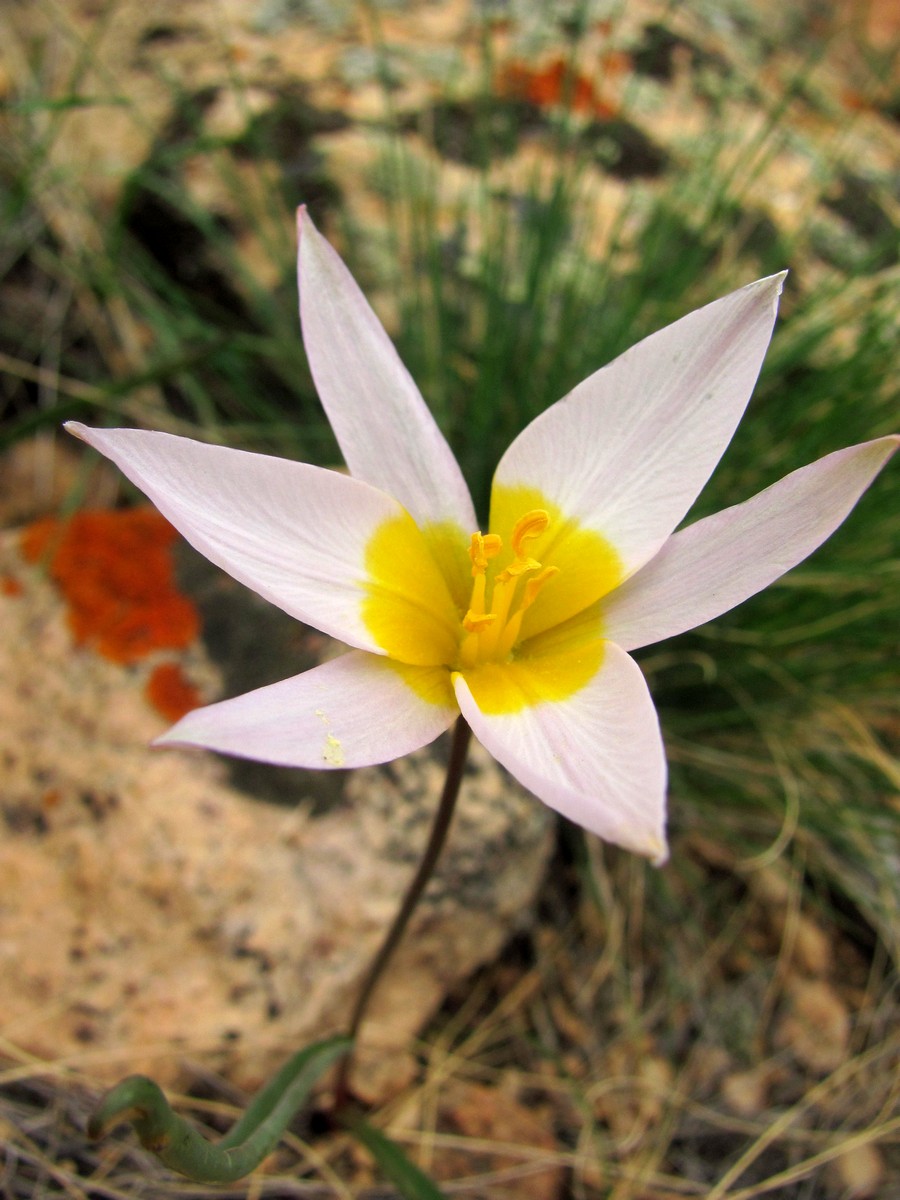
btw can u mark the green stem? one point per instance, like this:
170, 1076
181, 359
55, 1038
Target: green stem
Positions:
459, 748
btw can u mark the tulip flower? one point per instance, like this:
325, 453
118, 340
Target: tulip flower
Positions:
523, 626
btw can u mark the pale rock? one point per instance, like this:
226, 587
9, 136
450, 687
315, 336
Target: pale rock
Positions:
153, 917
816, 1026
771, 885
812, 947
746, 1093
858, 1173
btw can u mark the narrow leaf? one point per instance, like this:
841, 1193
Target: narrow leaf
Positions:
181, 1147
412, 1183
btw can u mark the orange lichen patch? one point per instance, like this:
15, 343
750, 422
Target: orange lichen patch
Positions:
552, 85
555, 85
115, 570
10, 586
37, 538
170, 692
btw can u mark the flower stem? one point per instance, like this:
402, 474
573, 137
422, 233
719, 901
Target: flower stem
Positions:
455, 767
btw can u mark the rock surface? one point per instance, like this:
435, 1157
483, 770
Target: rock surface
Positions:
155, 917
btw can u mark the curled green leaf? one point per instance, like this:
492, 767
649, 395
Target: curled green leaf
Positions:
177, 1144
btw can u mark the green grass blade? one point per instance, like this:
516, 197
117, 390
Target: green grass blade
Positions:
412, 1183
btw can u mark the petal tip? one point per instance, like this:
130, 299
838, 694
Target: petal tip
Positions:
883, 448
175, 734
659, 853
308, 237
651, 843
171, 740
771, 286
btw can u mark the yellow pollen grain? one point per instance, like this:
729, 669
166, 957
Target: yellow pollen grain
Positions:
333, 751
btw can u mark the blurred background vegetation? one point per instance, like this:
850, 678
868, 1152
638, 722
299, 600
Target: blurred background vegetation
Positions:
523, 190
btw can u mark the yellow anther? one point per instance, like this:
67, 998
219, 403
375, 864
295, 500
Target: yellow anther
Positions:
532, 525
483, 548
519, 566
476, 622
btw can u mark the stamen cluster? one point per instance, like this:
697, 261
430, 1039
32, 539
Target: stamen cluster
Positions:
493, 623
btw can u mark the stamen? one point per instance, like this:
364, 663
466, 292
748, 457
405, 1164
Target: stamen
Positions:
533, 586
483, 548
518, 567
476, 622
492, 635
513, 627
527, 528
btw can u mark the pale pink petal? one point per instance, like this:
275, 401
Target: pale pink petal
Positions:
383, 426
596, 757
354, 711
718, 562
294, 533
628, 450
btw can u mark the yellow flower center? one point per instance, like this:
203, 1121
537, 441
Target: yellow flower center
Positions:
491, 626
437, 610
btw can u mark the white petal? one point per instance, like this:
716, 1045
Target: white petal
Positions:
718, 562
596, 757
629, 449
294, 533
351, 712
383, 426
